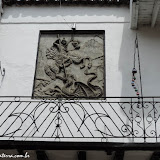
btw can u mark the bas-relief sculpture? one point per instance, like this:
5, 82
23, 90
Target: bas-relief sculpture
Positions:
70, 65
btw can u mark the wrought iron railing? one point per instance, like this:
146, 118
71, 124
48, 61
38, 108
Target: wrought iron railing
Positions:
112, 119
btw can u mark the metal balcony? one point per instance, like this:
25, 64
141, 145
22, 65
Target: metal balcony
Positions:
109, 119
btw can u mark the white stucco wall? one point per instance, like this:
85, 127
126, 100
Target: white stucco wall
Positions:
19, 32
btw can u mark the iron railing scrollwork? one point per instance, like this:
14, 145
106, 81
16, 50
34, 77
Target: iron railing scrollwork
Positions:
112, 119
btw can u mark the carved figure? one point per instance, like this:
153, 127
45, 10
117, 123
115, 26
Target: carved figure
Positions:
61, 56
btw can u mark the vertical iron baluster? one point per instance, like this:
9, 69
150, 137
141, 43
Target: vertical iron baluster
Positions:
58, 119
155, 118
143, 114
132, 120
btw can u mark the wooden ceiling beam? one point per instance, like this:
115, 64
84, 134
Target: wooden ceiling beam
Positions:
20, 151
41, 155
134, 8
81, 155
155, 12
119, 155
155, 156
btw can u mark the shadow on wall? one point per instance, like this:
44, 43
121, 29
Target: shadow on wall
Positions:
149, 48
83, 12
146, 118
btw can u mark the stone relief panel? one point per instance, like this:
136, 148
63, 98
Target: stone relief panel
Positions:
70, 64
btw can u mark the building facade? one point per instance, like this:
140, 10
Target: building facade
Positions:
120, 123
